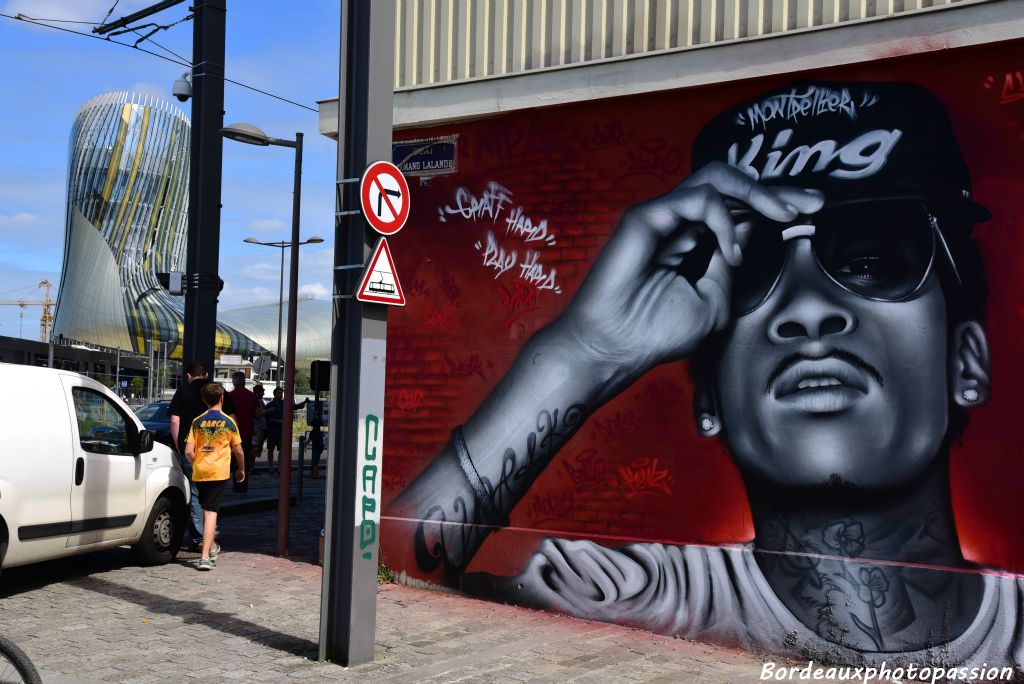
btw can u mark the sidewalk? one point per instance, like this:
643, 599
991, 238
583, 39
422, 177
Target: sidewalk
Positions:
99, 618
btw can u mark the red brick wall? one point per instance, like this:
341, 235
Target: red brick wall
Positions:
637, 470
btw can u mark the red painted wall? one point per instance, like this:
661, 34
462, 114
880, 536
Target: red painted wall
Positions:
637, 470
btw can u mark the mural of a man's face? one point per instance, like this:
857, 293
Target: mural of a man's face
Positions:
835, 365
818, 381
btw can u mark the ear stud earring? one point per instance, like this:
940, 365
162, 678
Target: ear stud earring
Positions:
707, 423
970, 395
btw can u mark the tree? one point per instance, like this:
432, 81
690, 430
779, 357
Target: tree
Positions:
302, 382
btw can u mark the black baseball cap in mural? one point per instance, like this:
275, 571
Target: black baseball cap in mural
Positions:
849, 140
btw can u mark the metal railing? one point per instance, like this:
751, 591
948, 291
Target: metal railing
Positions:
440, 41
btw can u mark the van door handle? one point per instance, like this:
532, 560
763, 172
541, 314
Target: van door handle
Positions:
79, 470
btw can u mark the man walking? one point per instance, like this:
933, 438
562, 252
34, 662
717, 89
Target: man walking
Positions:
246, 404
186, 405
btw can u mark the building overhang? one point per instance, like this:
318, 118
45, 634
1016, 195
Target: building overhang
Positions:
928, 30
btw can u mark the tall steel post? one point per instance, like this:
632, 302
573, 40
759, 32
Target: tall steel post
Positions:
204, 181
280, 311
348, 602
285, 454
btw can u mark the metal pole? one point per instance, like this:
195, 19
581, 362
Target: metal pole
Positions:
149, 371
280, 308
348, 607
302, 462
117, 373
204, 183
284, 497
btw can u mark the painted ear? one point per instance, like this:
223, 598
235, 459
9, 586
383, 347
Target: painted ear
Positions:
705, 412
970, 365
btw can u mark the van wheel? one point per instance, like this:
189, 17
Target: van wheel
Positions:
161, 537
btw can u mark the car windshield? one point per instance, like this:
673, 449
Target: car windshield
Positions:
152, 412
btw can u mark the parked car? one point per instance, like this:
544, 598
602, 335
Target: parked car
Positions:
156, 419
79, 472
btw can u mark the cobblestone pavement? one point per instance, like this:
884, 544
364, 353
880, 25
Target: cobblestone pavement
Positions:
98, 617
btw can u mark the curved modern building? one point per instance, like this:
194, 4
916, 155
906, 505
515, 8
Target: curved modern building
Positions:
126, 220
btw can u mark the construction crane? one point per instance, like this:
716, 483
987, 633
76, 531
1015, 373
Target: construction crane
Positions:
46, 320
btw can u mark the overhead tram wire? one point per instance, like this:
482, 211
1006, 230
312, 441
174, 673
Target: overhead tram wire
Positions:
181, 62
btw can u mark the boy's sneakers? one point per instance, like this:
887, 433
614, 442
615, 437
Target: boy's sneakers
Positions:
206, 564
215, 551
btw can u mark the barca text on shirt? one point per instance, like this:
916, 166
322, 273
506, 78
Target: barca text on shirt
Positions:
213, 434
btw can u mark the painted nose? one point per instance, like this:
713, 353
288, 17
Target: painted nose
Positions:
809, 305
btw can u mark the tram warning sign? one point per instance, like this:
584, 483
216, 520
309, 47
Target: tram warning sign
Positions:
379, 283
384, 197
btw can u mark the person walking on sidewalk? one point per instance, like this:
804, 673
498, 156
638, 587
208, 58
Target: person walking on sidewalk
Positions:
186, 404
259, 429
211, 442
274, 413
246, 405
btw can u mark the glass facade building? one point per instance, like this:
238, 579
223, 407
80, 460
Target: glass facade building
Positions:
126, 220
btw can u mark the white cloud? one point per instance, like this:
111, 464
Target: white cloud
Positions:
315, 290
262, 271
266, 225
236, 297
22, 219
317, 258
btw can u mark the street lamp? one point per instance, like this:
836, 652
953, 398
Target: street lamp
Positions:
282, 244
252, 135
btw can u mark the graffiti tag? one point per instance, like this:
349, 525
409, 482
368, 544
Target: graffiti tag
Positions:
552, 506
655, 156
861, 157
367, 509
442, 319
659, 390
518, 300
618, 426
608, 135
1013, 86
448, 286
410, 401
495, 255
586, 468
643, 476
471, 207
418, 287
520, 225
794, 105
463, 369
532, 271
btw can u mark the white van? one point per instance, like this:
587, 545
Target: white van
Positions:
78, 472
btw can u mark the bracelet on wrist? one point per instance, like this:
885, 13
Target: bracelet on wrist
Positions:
491, 513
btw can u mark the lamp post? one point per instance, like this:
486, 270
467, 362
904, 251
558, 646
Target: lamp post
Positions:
282, 245
250, 134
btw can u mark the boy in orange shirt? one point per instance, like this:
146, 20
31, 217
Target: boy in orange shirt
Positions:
212, 440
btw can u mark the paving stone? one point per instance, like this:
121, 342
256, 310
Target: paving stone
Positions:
99, 618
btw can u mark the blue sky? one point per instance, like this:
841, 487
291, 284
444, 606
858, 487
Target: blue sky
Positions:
289, 49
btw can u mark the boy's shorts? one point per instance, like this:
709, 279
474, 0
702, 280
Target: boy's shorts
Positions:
211, 494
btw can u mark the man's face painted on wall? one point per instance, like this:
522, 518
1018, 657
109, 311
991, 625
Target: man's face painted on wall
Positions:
835, 363
818, 381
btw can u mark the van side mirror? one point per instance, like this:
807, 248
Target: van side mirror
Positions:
145, 441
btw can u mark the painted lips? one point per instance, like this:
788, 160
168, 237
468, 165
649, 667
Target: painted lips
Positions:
820, 386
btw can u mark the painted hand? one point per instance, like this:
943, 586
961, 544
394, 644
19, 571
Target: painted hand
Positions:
636, 307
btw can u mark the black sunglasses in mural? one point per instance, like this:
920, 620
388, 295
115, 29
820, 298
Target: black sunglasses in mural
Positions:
881, 249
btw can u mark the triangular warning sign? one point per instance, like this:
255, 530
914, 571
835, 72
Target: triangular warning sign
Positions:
379, 283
